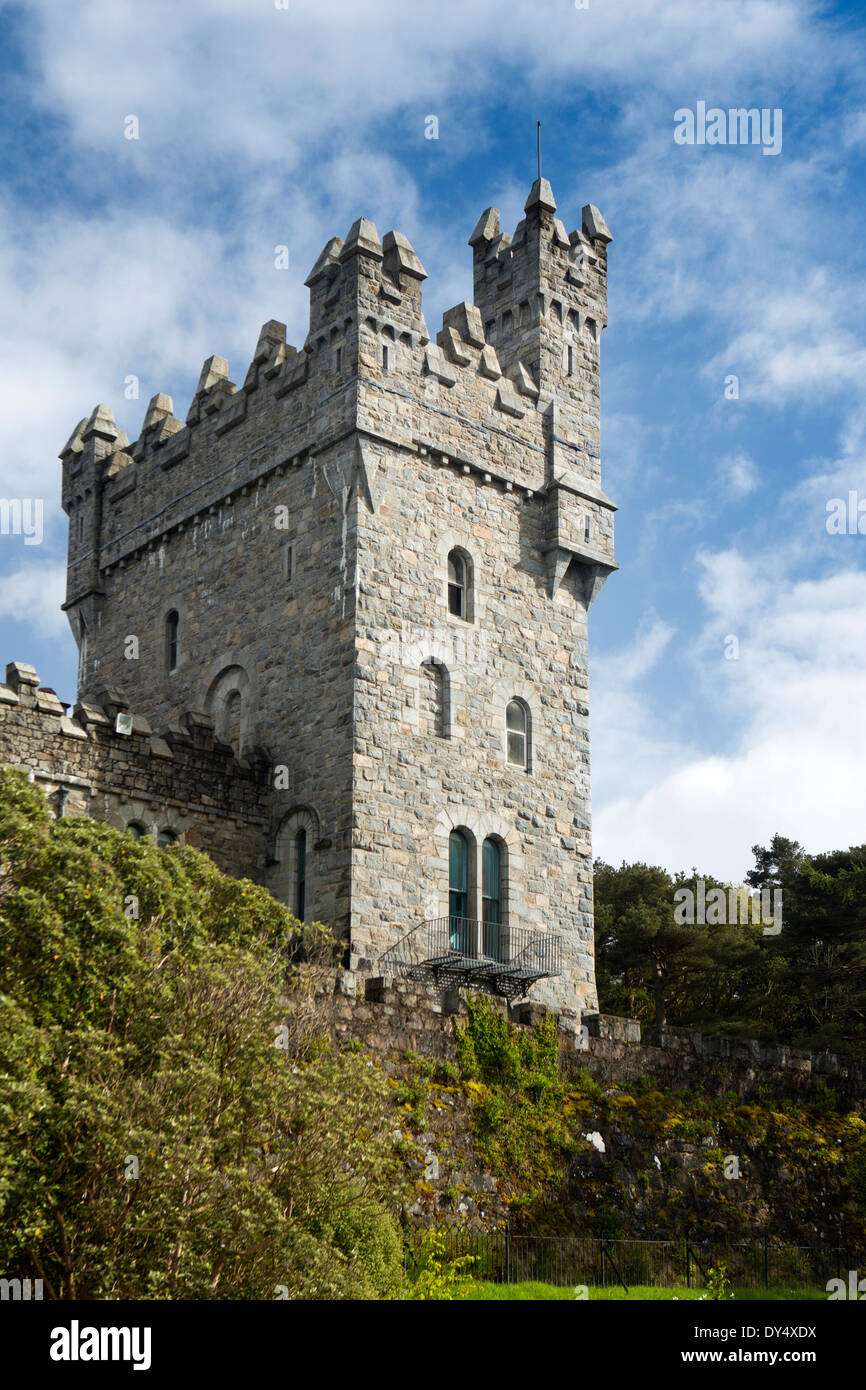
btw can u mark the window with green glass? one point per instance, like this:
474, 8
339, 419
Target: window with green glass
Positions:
458, 889
491, 896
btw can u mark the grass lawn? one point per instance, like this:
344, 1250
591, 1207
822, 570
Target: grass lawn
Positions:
477, 1289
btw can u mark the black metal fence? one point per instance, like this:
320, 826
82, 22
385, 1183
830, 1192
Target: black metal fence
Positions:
506, 1258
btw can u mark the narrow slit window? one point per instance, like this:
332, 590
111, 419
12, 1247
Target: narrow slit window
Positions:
301, 878
516, 732
172, 629
385, 357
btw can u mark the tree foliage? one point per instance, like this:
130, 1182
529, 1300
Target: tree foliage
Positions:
805, 986
173, 1123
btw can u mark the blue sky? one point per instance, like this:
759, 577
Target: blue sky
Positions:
261, 126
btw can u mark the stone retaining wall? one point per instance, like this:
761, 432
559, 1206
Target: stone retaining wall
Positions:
394, 1015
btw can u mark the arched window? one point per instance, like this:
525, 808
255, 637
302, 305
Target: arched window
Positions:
458, 585
167, 837
517, 733
458, 891
301, 875
136, 829
172, 627
294, 882
491, 895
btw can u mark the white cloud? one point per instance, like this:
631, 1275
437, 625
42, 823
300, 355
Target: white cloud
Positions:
799, 764
739, 474
733, 585
31, 595
266, 85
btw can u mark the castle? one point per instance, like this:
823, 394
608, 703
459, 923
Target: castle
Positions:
332, 628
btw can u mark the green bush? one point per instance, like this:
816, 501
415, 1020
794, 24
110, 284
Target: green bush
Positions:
520, 1126
439, 1279
173, 1123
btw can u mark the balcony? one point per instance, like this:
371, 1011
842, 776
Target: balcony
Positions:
454, 951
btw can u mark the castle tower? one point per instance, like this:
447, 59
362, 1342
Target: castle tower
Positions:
369, 569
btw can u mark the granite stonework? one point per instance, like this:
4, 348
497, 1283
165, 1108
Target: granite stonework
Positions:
181, 784
394, 1016
271, 573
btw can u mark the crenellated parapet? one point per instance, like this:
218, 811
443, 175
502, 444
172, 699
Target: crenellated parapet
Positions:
122, 497
109, 715
540, 274
107, 761
531, 336
506, 393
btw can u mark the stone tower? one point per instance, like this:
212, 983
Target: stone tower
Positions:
368, 570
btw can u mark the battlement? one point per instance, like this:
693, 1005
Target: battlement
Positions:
538, 274
106, 761
109, 717
526, 347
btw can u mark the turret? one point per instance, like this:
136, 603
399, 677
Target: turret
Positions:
84, 463
542, 295
361, 288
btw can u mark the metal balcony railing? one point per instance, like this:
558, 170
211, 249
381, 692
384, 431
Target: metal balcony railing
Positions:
483, 955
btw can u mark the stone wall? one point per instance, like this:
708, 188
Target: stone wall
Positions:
276, 563
181, 782
393, 1015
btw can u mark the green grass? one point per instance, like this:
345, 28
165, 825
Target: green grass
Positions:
478, 1289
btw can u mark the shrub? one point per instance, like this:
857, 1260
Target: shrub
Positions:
173, 1123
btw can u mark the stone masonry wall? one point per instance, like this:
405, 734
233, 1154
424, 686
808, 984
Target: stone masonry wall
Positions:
184, 782
414, 781
395, 1015
297, 531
